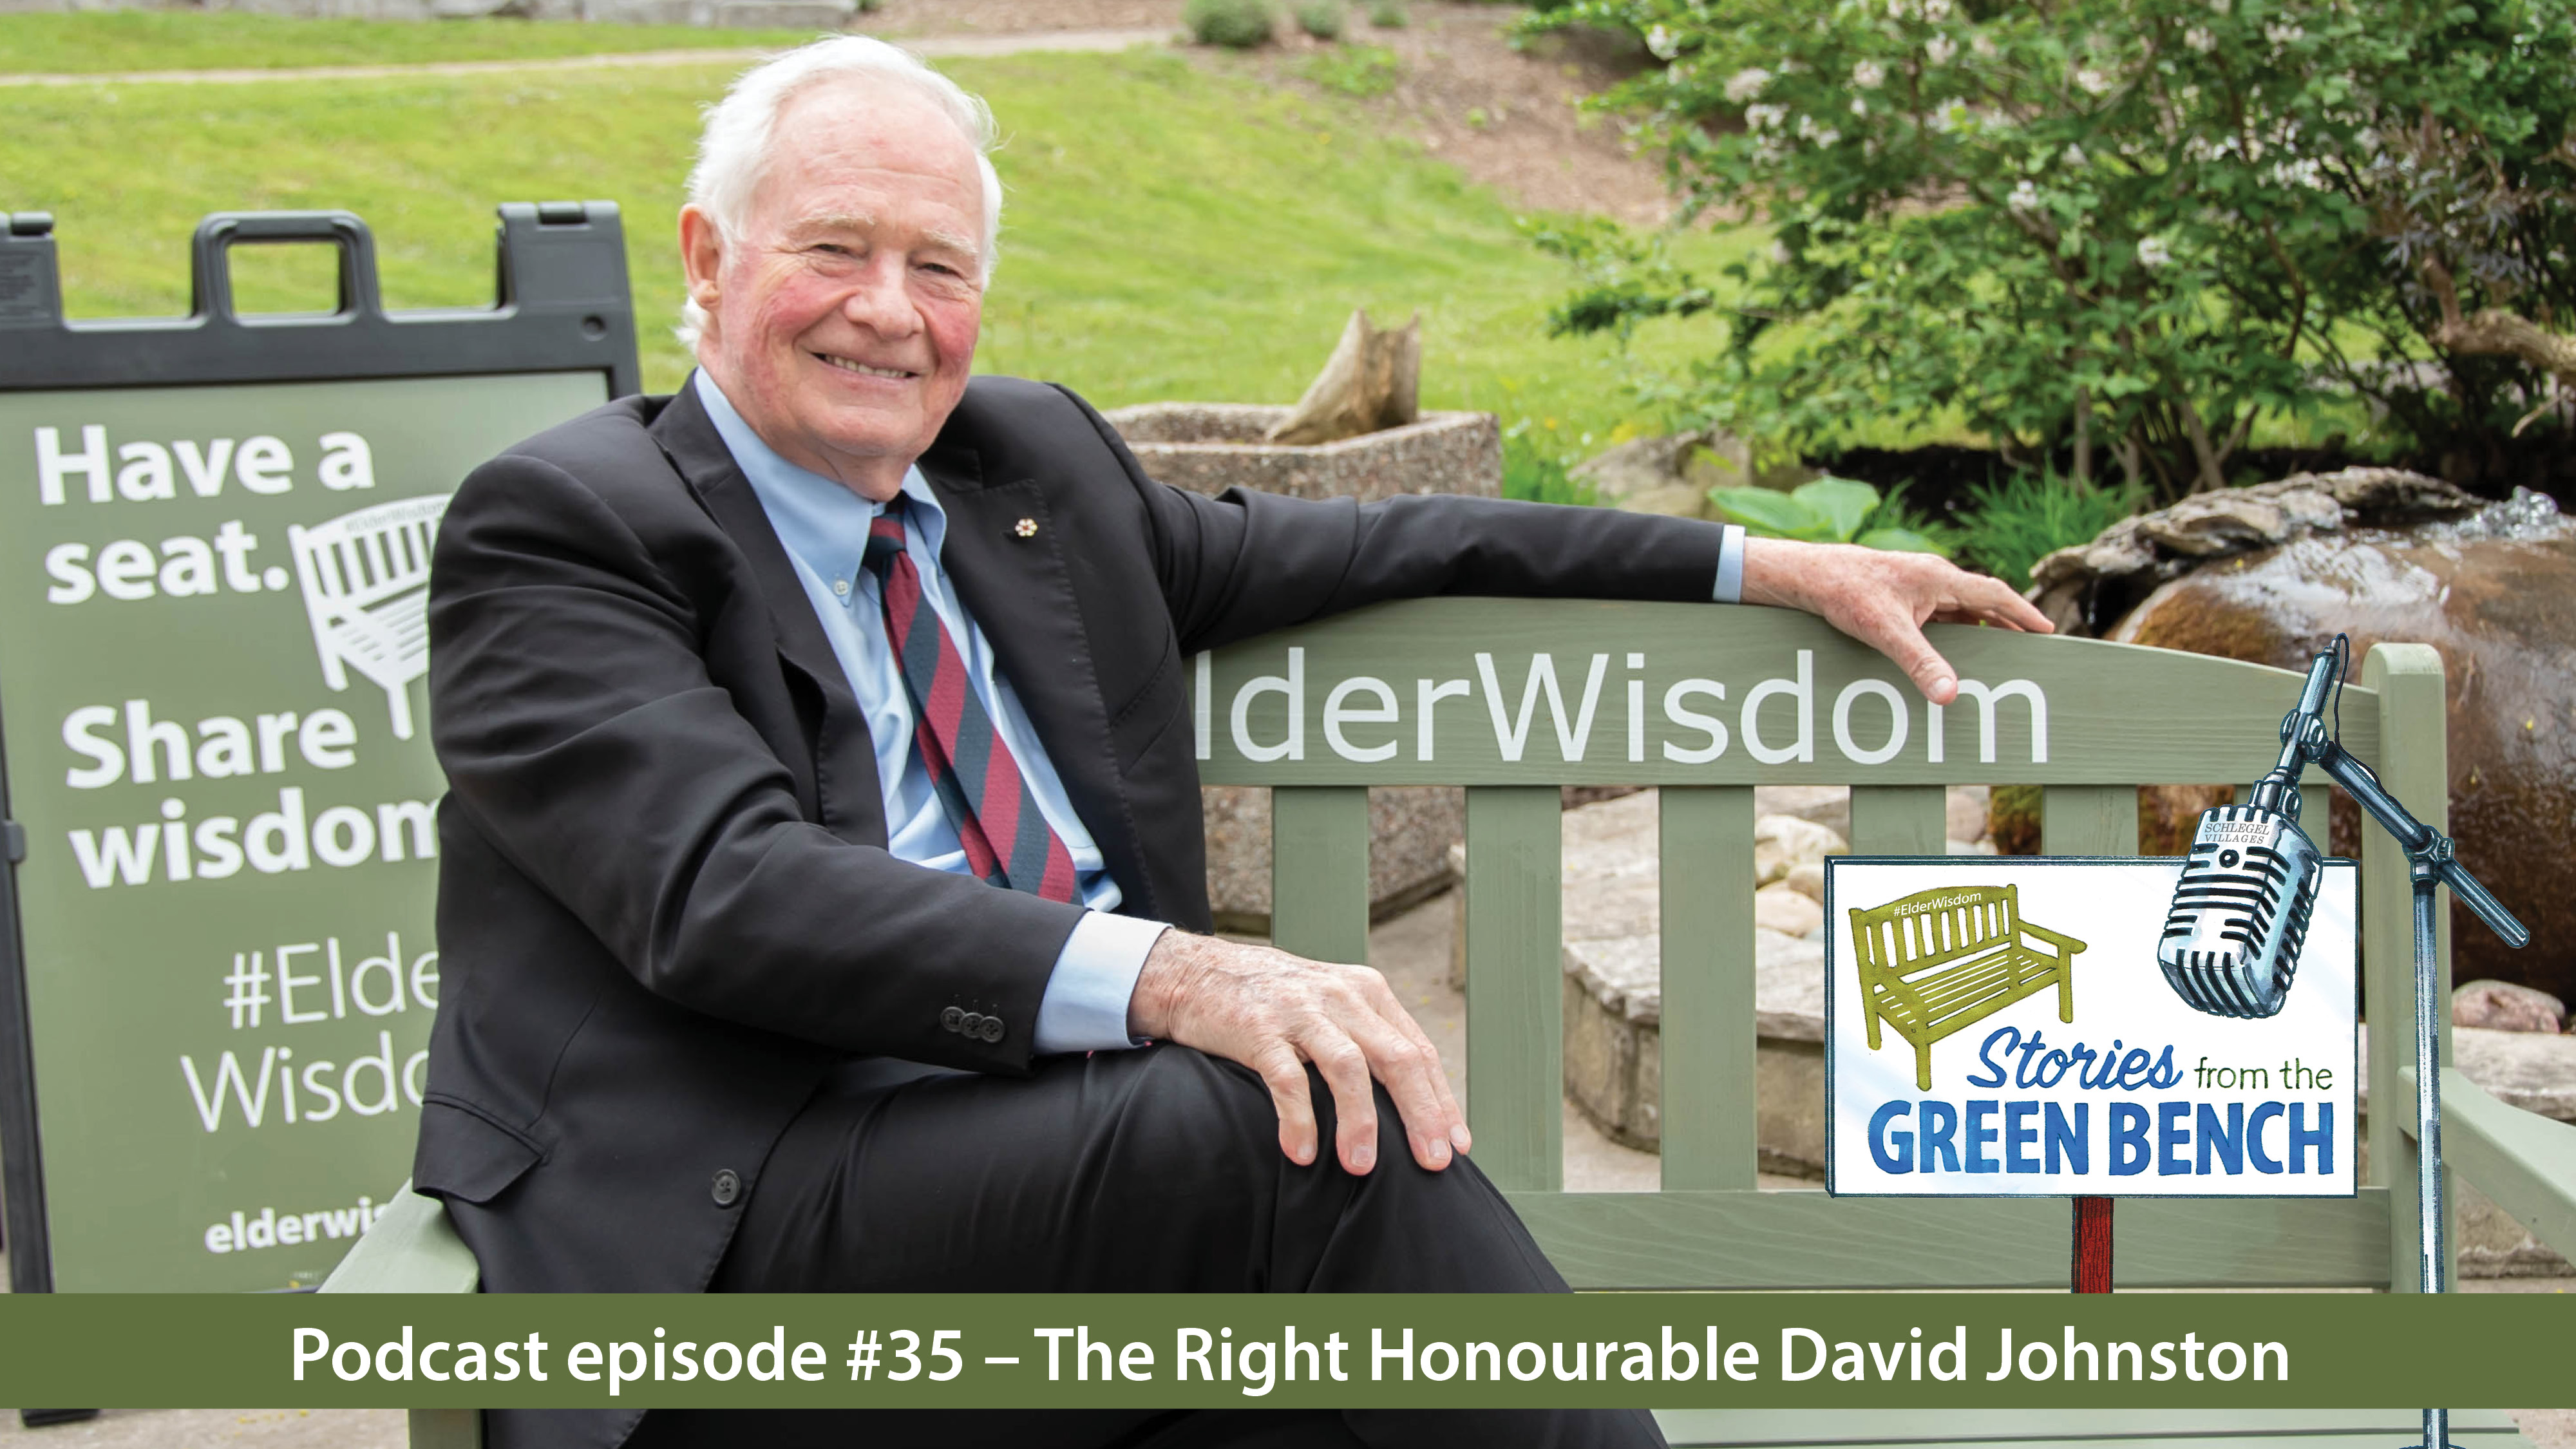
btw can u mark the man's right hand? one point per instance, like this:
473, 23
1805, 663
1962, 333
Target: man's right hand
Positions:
1274, 1012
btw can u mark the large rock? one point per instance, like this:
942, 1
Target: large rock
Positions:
1671, 474
1210, 447
2494, 590
2503, 1006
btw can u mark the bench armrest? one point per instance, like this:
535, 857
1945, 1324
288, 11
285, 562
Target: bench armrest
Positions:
2067, 946
411, 1248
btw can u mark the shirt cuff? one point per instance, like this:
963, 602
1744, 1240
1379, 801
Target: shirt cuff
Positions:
1085, 1005
1730, 565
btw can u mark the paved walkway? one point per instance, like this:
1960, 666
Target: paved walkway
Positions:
934, 46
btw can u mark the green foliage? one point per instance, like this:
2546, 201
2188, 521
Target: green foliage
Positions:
2166, 217
1828, 510
1358, 70
1387, 14
1235, 24
1533, 474
2011, 524
1321, 19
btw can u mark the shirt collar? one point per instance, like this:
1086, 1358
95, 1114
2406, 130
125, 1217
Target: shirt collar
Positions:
822, 524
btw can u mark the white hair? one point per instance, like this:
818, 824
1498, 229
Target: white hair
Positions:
734, 148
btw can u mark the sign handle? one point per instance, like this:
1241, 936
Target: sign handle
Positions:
2092, 1245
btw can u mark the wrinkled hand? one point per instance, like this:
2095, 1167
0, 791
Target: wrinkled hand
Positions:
1884, 599
1274, 1012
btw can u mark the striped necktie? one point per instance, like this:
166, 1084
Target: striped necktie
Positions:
1008, 841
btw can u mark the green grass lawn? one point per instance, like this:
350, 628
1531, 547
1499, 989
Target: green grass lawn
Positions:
135, 40
1170, 234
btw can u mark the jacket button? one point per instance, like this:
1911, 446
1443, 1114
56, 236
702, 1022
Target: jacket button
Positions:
953, 1019
992, 1029
972, 1025
726, 1188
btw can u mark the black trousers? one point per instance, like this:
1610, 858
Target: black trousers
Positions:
1148, 1171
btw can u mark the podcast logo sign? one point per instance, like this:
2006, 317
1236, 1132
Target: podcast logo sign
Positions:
2001, 1027
211, 660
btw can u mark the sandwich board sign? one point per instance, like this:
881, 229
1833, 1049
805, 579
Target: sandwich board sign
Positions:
2003, 1026
217, 960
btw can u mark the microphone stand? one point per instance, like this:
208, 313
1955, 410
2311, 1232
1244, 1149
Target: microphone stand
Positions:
2430, 861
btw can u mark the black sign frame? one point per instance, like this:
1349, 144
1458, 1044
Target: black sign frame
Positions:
562, 304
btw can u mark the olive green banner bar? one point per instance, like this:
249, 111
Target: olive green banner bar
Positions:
1672, 1351
1564, 691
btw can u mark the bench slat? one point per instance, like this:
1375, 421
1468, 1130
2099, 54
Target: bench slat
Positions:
1808, 1240
1319, 871
2089, 820
1709, 1042
1515, 973
1899, 820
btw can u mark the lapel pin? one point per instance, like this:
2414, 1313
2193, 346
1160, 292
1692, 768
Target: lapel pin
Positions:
1026, 528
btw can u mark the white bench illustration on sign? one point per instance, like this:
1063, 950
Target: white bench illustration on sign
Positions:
366, 589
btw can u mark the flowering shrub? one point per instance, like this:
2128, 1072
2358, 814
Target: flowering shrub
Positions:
2128, 226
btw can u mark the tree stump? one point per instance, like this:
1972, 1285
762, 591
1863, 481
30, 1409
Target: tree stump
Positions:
1371, 382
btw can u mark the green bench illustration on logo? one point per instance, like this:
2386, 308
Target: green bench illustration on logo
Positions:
1939, 960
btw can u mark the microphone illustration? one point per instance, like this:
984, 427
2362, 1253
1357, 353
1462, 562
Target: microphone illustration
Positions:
2240, 912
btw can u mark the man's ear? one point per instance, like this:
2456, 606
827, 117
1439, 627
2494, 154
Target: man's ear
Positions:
701, 256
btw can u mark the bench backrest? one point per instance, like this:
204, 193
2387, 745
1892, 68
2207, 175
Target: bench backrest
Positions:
1513, 698
1935, 927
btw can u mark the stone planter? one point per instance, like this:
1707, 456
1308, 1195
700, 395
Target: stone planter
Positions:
1411, 830
1210, 447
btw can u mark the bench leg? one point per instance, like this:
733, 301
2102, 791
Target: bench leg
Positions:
446, 1429
1923, 1066
2065, 994
1869, 1012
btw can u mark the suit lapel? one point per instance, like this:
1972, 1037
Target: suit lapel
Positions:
849, 801
1004, 554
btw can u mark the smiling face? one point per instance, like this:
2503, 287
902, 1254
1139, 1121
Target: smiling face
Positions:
841, 319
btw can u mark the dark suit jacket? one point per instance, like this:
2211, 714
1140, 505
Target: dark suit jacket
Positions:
666, 910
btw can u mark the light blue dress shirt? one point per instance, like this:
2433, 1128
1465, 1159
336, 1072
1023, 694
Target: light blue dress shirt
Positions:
824, 528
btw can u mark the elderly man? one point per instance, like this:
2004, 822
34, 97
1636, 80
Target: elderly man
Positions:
822, 888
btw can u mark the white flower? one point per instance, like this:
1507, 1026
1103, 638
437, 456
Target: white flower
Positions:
2283, 34
1869, 75
1984, 48
2074, 156
2025, 197
1939, 49
1779, 255
2092, 82
2189, 93
1745, 84
1859, 107
2152, 253
1949, 115
1763, 118
1661, 42
2368, 140
2217, 7
1936, 11
1899, 9
2199, 39
1827, 136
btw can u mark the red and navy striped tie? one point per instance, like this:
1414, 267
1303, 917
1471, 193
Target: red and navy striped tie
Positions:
1008, 841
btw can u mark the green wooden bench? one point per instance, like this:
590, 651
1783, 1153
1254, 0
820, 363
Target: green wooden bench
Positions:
1950, 957
1447, 692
